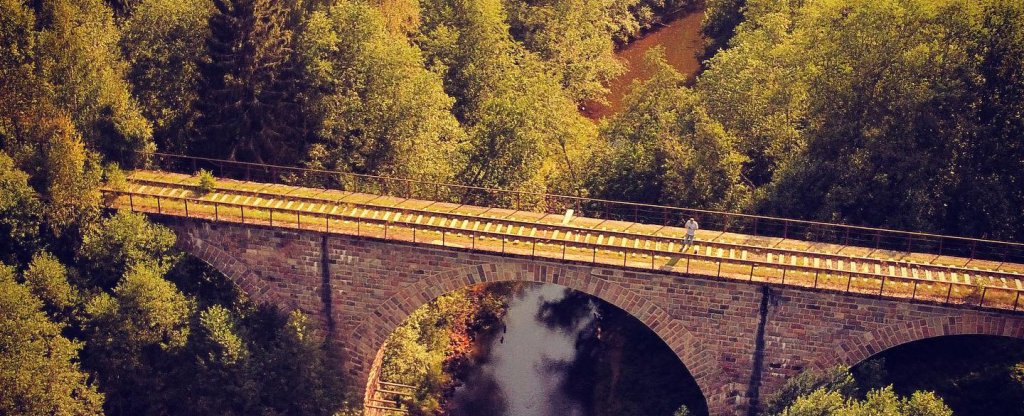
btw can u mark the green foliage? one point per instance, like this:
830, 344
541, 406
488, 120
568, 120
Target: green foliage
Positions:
382, 112
78, 58
824, 387
573, 37
39, 374
206, 182
123, 241
47, 279
161, 43
72, 178
971, 383
720, 20
219, 327
883, 402
666, 149
524, 131
114, 177
20, 213
879, 113
247, 107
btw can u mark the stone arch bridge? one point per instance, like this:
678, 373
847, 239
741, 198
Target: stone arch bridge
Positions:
741, 334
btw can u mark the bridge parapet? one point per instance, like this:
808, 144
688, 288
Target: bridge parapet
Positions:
587, 240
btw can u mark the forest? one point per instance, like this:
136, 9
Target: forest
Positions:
906, 114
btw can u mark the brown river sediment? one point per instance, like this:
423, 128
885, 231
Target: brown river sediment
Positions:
681, 40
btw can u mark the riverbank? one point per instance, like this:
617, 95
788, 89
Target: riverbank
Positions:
680, 38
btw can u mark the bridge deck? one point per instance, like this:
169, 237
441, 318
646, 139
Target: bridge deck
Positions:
728, 255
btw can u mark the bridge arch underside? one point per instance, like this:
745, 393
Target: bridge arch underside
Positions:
698, 359
741, 341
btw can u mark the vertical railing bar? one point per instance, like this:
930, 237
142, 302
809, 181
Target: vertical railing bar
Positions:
881, 288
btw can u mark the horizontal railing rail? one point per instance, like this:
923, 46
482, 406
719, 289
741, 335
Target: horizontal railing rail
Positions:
753, 225
578, 229
903, 287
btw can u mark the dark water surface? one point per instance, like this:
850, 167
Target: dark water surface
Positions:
565, 353
680, 39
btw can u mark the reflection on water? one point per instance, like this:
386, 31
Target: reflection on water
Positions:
680, 39
522, 372
565, 353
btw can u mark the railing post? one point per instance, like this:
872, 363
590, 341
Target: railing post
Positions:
533, 251
386, 230
1015, 300
298, 221
983, 290
593, 260
881, 288
751, 278
271, 217
783, 275
849, 281
720, 269
624, 257
131, 203
443, 233
816, 279
158, 210
949, 292
913, 295
186, 208
414, 237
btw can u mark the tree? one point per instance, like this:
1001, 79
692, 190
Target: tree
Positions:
823, 402
573, 37
121, 242
161, 41
524, 132
20, 213
39, 374
666, 149
132, 337
383, 113
47, 279
78, 55
720, 20
248, 106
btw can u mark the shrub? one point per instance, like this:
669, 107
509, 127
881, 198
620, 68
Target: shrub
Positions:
207, 182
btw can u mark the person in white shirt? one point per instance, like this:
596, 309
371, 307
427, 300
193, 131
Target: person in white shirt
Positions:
691, 229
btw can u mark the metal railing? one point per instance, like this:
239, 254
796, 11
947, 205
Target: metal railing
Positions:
753, 225
846, 281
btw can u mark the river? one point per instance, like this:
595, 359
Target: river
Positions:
560, 352
681, 40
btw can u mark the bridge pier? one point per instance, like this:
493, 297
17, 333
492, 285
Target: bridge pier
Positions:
740, 340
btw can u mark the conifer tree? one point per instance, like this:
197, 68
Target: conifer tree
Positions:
247, 108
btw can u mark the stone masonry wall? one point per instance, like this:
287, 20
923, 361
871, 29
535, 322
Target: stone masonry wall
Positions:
741, 341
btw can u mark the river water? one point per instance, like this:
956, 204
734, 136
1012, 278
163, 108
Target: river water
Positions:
560, 352
681, 40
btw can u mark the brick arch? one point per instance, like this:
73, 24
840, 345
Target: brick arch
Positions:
858, 347
371, 335
236, 271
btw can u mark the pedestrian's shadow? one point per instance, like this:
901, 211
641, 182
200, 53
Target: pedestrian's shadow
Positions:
671, 265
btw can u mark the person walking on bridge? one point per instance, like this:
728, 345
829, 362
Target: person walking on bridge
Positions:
691, 229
